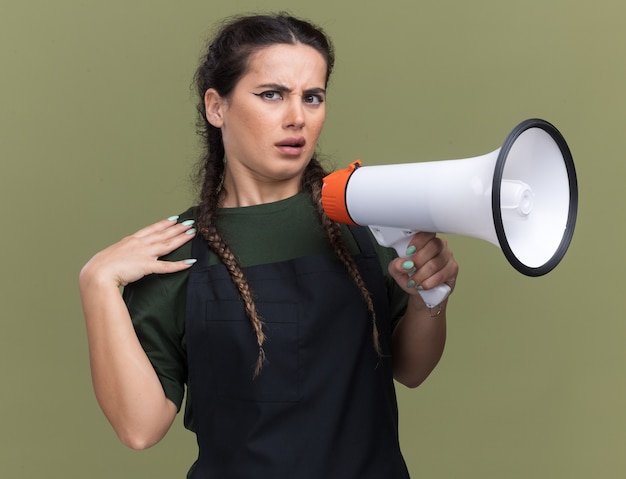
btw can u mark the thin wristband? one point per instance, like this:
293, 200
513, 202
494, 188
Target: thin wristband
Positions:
436, 313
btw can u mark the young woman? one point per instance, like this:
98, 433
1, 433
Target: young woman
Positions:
285, 328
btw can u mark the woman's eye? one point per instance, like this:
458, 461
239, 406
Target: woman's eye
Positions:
270, 95
313, 99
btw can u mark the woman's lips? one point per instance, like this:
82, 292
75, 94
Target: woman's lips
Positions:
291, 146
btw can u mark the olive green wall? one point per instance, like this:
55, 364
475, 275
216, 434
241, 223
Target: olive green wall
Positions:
97, 139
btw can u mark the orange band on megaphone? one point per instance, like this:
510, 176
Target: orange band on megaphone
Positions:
334, 194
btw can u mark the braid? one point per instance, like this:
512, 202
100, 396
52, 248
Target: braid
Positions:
207, 225
217, 244
312, 182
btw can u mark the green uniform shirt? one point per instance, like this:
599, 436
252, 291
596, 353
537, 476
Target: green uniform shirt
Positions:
259, 234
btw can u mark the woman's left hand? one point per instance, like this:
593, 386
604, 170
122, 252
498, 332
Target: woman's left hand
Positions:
428, 263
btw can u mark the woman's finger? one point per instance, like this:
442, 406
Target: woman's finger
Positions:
430, 264
168, 227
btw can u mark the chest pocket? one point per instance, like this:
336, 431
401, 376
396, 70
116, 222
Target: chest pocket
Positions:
233, 351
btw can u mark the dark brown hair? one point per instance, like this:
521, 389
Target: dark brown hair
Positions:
225, 62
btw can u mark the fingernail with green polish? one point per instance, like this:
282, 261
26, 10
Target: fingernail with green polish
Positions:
190, 261
408, 265
188, 222
173, 218
190, 231
410, 250
412, 272
410, 284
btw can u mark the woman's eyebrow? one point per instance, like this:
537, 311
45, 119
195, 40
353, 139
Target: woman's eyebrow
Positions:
315, 91
276, 86
284, 89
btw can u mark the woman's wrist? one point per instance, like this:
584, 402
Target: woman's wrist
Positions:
93, 277
419, 307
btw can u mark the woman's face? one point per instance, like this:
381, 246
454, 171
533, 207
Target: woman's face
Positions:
271, 122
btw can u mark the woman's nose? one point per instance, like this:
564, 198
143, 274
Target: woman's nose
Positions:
295, 114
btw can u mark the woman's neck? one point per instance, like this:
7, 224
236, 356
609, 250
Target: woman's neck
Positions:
242, 193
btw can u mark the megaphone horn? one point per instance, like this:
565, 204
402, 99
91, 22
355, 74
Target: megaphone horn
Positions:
522, 197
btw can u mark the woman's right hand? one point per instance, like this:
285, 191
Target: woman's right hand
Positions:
138, 255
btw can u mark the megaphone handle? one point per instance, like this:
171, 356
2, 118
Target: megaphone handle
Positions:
399, 240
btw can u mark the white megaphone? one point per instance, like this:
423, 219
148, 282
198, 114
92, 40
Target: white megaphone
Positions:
523, 197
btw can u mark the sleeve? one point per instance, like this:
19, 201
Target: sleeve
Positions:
157, 305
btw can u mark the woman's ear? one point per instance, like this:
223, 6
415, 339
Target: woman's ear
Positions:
213, 106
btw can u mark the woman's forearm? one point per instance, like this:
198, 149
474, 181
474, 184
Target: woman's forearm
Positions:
126, 385
418, 343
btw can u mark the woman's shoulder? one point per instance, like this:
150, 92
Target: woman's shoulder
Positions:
188, 214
